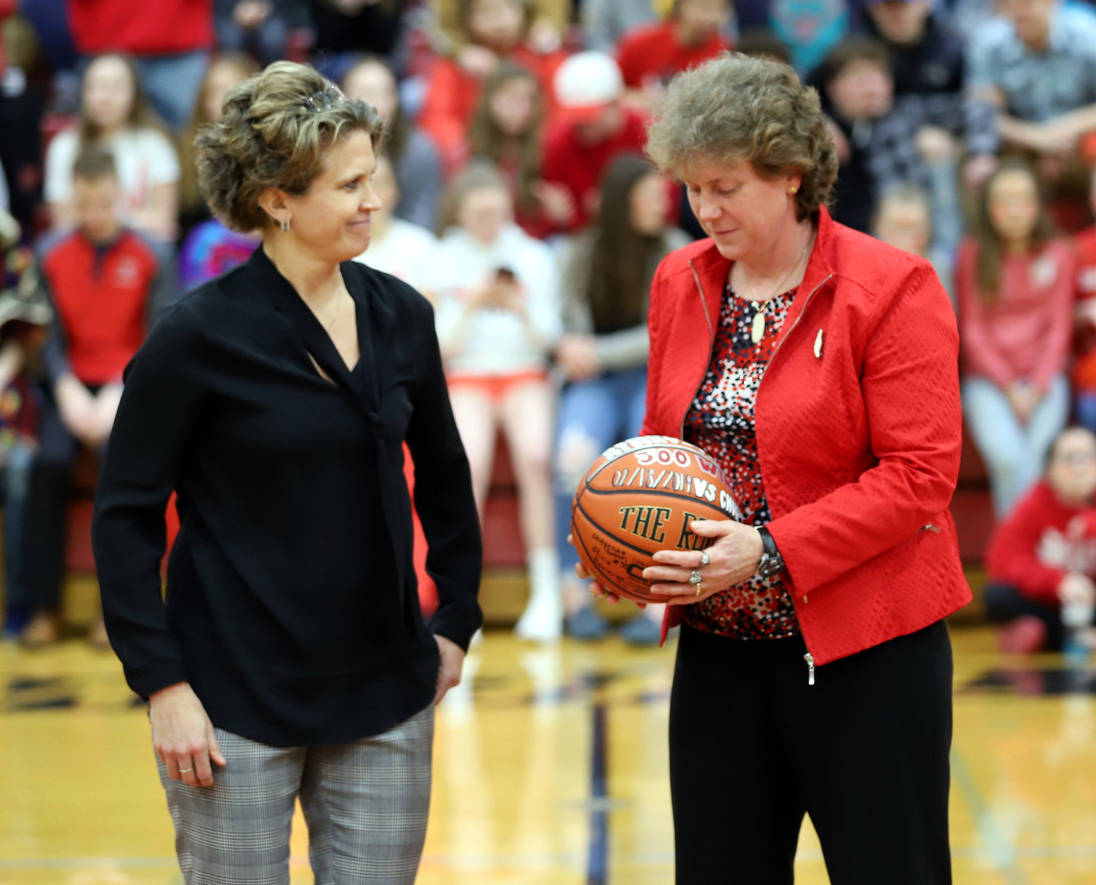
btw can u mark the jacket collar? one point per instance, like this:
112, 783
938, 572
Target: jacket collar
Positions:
711, 268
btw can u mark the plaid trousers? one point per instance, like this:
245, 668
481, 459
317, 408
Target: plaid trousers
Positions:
365, 804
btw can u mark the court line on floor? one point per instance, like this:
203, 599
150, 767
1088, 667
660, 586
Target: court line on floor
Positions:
1001, 851
597, 858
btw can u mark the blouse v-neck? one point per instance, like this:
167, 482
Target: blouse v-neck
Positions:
316, 340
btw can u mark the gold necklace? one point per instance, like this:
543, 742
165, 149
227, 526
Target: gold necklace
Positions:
757, 328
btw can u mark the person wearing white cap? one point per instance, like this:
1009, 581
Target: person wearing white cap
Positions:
592, 127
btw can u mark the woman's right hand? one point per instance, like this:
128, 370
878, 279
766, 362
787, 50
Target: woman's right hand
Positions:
183, 735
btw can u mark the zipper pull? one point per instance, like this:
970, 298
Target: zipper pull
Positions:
809, 658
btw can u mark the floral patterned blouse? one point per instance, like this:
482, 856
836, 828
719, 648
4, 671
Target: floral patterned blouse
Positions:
721, 421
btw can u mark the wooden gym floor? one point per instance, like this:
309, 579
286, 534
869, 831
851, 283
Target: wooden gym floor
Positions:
550, 769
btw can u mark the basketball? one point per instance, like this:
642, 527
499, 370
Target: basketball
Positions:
639, 497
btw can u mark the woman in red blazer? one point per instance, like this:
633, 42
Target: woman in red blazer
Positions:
819, 366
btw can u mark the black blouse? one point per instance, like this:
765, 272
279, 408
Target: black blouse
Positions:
291, 604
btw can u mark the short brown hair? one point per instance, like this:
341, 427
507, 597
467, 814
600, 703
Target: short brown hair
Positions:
743, 109
853, 49
274, 132
94, 163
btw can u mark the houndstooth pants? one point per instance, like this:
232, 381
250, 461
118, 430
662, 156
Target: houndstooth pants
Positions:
365, 804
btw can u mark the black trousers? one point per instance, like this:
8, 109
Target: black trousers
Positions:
863, 751
44, 520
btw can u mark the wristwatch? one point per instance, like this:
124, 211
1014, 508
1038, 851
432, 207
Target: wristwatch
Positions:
771, 562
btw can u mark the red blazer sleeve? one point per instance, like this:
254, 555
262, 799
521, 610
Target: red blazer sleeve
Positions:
1012, 555
909, 385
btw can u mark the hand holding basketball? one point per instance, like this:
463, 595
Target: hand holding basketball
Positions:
640, 497
595, 588
731, 560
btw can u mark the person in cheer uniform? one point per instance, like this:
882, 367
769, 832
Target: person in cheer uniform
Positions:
818, 365
289, 657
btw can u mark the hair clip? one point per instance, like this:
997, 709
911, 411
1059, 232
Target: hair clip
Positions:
325, 99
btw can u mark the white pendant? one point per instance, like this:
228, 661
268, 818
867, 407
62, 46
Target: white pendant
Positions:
757, 330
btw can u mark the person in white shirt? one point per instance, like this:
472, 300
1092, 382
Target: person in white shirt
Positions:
115, 115
498, 319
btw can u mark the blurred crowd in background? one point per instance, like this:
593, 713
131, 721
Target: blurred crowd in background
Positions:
517, 198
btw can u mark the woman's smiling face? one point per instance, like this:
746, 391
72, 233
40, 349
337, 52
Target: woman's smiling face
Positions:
332, 218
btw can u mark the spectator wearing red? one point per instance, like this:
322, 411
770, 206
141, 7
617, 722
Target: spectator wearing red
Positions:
105, 281
1044, 554
170, 39
650, 55
594, 126
494, 29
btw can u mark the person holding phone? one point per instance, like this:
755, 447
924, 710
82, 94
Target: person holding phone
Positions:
499, 318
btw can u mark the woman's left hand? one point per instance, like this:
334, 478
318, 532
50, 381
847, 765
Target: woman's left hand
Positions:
449, 667
731, 559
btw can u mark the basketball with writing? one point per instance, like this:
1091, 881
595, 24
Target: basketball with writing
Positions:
639, 497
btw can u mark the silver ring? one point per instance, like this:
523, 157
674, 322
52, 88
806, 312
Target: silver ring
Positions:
705, 559
694, 576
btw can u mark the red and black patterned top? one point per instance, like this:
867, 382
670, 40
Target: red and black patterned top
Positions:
721, 421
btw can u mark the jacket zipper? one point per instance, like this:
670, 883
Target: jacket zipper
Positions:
808, 657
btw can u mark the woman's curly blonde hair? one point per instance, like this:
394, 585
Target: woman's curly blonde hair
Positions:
737, 108
274, 131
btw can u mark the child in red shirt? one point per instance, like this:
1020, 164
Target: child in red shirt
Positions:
105, 282
1044, 554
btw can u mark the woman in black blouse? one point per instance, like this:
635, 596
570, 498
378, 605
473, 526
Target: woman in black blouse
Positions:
289, 649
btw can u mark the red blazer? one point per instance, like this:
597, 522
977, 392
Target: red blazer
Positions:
858, 430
